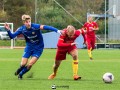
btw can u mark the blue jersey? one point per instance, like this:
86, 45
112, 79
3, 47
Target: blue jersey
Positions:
33, 36
34, 40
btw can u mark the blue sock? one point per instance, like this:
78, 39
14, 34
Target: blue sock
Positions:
19, 69
23, 71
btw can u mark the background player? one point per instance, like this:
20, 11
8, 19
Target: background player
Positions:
91, 27
66, 44
34, 42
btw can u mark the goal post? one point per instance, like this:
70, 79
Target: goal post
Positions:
5, 41
114, 10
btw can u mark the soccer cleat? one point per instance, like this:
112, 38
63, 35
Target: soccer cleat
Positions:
91, 58
16, 73
76, 77
19, 77
52, 76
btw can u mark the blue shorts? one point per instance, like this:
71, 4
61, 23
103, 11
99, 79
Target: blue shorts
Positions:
32, 52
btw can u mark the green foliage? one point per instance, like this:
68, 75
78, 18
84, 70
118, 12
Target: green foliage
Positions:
48, 12
8, 42
101, 24
102, 8
16, 8
63, 2
3, 16
57, 18
20, 42
44, 1
5, 42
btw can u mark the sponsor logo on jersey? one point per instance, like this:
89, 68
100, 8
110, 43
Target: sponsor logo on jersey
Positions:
33, 32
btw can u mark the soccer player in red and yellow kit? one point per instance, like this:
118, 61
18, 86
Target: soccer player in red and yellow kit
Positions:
90, 27
66, 44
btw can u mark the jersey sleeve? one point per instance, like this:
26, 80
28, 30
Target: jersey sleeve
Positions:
81, 31
16, 33
61, 42
83, 34
78, 32
46, 27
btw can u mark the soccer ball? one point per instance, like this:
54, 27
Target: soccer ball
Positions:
108, 77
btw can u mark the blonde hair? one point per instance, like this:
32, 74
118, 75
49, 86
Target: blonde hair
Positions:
25, 17
70, 28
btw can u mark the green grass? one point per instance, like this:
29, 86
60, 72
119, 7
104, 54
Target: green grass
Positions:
36, 79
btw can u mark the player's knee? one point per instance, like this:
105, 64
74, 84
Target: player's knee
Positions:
56, 66
75, 57
23, 64
29, 66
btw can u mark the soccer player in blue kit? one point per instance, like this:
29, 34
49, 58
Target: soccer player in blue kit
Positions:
34, 42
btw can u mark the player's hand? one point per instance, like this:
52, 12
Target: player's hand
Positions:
74, 43
59, 32
84, 43
82, 30
7, 27
85, 31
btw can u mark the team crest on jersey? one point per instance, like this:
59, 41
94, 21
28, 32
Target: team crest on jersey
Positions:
33, 32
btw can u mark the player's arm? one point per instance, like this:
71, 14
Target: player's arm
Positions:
11, 35
62, 44
83, 32
46, 27
95, 26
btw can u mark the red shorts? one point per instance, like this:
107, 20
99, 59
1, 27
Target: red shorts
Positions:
61, 52
90, 43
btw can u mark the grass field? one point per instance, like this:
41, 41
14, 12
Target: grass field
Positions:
36, 79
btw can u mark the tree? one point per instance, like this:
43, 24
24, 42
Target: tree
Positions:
63, 2
102, 8
48, 12
15, 8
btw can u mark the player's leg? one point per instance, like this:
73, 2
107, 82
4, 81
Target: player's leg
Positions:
74, 54
36, 53
56, 66
22, 65
55, 69
60, 55
26, 55
28, 67
93, 44
92, 47
89, 47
